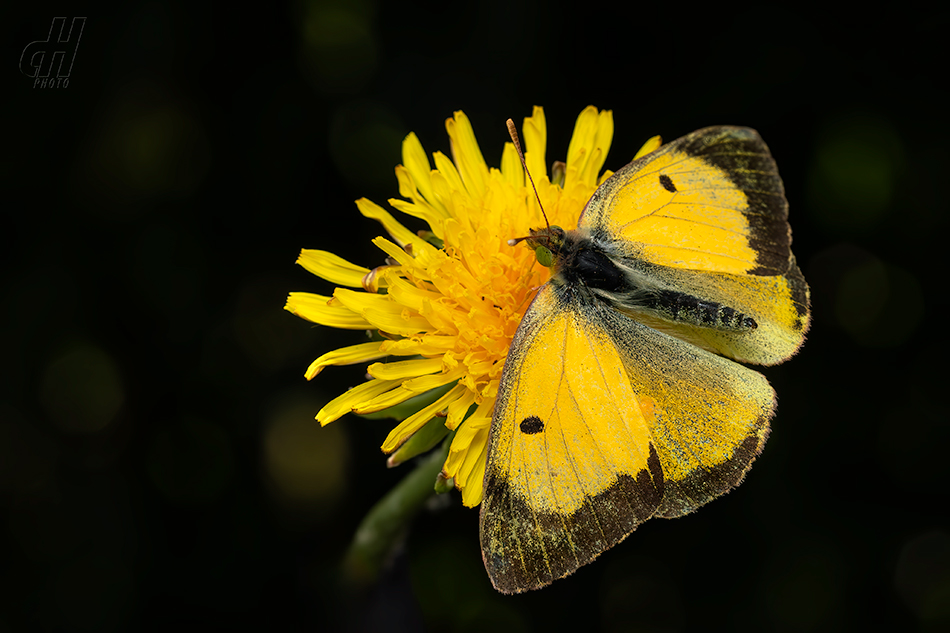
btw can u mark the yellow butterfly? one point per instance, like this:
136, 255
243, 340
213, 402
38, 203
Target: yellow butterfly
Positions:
619, 401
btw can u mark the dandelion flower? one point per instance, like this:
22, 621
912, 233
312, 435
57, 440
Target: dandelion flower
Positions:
449, 300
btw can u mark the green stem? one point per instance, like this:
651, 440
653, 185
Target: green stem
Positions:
387, 521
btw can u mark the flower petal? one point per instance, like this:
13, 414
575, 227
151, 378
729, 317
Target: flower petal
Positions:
423, 440
332, 267
424, 345
466, 154
377, 278
416, 421
384, 401
409, 295
397, 231
403, 369
398, 253
403, 323
425, 383
417, 165
347, 356
603, 136
420, 210
315, 308
458, 409
587, 151
346, 402
535, 132
358, 301
409, 254
651, 145
467, 455
446, 178
511, 168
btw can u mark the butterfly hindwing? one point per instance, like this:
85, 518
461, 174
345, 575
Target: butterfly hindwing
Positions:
781, 319
572, 467
709, 416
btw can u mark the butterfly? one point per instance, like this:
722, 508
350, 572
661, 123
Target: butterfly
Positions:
622, 396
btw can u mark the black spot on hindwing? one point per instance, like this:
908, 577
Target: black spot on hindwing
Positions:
531, 425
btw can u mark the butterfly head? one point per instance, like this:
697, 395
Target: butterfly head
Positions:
547, 244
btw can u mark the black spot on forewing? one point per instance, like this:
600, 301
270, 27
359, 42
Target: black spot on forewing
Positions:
531, 425
667, 183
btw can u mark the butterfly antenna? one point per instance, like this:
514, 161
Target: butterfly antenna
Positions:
513, 132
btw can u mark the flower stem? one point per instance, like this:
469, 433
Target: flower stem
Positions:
384, 526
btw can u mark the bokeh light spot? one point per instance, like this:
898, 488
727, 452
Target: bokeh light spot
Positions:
878, 305
365, 138
338, 45
853, 175
148, 143
82, 390
305, 463
922, 578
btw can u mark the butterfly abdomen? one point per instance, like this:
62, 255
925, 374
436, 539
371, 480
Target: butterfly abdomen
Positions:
685, 308
589, 263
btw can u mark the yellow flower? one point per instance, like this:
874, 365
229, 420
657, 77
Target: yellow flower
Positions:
449, 302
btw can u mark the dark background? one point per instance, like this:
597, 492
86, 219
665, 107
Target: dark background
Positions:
159, 464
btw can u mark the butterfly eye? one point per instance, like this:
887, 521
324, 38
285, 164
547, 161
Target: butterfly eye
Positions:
544, 255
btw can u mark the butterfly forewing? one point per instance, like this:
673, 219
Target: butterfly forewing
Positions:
706, 215
712, 200
572, 467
